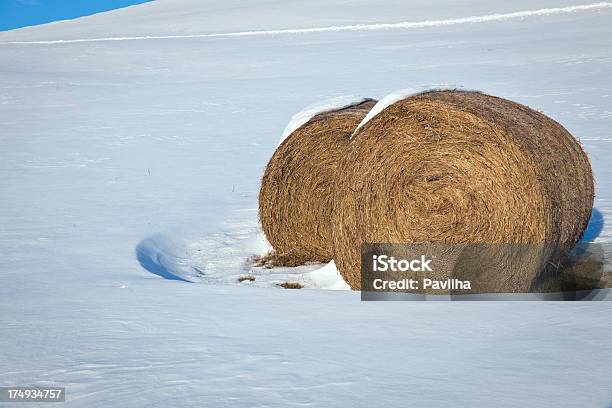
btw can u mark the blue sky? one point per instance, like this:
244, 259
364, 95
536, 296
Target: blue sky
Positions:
21, 13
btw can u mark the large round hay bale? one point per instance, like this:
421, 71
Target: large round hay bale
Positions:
462, 167
296, 190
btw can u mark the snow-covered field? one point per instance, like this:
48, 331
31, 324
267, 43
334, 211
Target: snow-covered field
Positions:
125, 158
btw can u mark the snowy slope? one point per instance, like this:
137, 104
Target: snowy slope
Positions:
123, 161
187, 17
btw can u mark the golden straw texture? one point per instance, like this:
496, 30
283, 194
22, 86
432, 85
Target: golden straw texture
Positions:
461, 167
295, 199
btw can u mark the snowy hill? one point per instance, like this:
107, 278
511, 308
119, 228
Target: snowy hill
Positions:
127, 159
188, 17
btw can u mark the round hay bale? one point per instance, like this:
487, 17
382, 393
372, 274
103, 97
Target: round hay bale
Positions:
296, 190
459, 167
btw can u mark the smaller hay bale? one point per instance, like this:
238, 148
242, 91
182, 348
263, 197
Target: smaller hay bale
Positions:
296, 190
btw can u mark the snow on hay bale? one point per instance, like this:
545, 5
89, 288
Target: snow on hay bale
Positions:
296, 190
462, 167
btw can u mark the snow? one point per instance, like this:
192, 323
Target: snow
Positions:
222, 258
125, 160
384, 102
328, 277
261, 15
332, 104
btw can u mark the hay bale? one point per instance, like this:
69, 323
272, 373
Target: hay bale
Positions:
462, 167
296, 190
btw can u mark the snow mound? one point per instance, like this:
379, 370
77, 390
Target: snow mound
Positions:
328, 277
222, 258
386, 101
328, 105
163, 257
